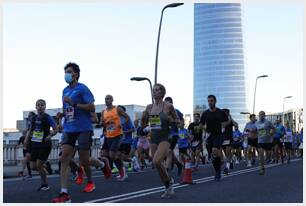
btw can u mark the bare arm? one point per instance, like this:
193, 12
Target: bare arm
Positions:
145, 117
123, 114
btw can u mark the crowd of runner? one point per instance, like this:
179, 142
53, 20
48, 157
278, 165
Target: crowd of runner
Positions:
160, 139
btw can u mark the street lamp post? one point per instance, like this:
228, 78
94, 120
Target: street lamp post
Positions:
262, 76
160, 23
142, 79
284, 109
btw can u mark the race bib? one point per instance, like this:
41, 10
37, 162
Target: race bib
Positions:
37, 136
69, 114
182, 135
111, 127
262, 132
155, 122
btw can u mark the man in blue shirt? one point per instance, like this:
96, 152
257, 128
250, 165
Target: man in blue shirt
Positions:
127, 138
78, 103
277, 142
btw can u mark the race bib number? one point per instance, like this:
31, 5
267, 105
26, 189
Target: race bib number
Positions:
37, 136
155, 122
111, 127
262, 132
182, 135
69, 114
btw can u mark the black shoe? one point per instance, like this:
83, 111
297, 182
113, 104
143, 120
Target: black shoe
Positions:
262, 171
231, 165
253, 162
288, 161
48, 168
225, 171
179, 169
43, 187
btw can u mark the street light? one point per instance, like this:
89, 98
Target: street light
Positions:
142, 79
262, 76
160, 23
284, 108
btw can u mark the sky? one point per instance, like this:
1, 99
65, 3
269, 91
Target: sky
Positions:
113, 42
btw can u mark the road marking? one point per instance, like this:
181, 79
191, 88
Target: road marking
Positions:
141, 193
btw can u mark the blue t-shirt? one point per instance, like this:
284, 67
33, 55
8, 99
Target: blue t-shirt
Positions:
77, 120
237, 135
301, 136
127, 138
279, 131
40, 126
183, 138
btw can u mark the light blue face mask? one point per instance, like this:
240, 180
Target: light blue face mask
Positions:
68, 78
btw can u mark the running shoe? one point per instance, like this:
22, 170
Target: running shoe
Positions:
79, 180
90, 186
218, 176
249, 164
107, 171
62, 198
43, 187
122, 175
169, 192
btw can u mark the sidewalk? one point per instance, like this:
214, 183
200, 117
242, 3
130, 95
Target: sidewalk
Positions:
12, 171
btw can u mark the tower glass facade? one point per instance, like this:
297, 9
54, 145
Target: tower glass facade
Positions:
218, 58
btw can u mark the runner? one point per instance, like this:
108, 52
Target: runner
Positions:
251, 132
40, 136
227, 141
143, 147
26, 157
196, 132
237, 144
265, 131
110, 118
133, 156
160, 115
183, 143
78, 103
215, 120
171, 158
288, 139
277, 142
126, 140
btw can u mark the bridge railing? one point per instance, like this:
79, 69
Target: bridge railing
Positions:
13, 154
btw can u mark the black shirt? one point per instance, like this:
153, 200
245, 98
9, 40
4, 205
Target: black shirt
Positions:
228, 133
213, 121
195, 131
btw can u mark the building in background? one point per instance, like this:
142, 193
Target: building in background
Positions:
219, 58
293, 116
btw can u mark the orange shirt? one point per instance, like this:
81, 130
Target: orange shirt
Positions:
112, 123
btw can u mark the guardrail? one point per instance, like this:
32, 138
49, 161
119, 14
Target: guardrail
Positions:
13, 154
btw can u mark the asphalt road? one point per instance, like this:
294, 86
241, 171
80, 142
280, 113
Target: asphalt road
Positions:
282, 183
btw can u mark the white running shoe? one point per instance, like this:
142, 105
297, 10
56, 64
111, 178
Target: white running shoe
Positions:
169, 192
249, 164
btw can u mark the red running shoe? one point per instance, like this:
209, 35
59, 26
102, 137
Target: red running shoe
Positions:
89, 187
62, 198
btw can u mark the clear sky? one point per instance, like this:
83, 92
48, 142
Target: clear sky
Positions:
113, 42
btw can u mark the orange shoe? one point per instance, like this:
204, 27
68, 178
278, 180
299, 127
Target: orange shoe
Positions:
89, 187
62, 198
79, 180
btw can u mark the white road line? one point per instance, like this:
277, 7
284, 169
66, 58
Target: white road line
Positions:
146, 192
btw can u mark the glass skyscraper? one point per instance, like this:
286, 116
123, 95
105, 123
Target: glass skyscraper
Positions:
218, 58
